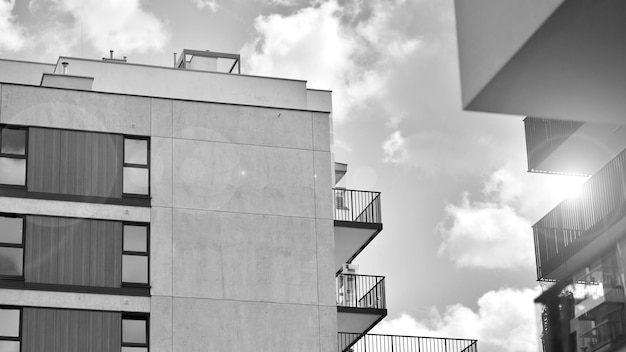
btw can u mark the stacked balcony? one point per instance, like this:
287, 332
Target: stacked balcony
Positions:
564, 237
397, 343
360, 298
357, 222
361, 304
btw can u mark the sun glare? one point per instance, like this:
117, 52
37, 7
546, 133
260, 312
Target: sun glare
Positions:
568, 186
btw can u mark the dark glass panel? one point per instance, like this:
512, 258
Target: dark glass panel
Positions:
134, 331
135, 269
11, 229
13, 141
12, 171
135, 238
11, 261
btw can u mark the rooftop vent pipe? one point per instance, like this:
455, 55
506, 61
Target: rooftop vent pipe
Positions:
65, 64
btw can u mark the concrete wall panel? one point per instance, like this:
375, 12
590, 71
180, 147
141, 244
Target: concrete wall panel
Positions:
161, 171
161, 112
325, 232
321, 131
75, 300
161, 339
328, 328
245, 257
161, 251
74, 209
242, 124
23, 72
240, 178
319, 100
212, 325
79, 110
323, 186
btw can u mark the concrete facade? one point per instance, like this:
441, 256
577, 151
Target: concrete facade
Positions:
241, 236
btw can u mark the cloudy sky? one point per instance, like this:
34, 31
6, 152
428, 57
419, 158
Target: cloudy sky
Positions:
458, 205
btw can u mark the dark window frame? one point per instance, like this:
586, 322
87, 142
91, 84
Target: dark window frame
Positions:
21, 318
16, 245
136, 253
136, 166
16, 156
136, 316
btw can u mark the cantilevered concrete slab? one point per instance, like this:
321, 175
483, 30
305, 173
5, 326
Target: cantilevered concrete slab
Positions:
580, 150
558, 59
351, 238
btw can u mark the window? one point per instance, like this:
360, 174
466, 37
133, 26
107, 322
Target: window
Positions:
136, 166
13, 155
135, 333
135, 258
10, 332
11, 246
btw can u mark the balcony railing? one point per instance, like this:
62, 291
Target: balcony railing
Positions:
603, 334
357, 206
578, 220
397, 343
361, 291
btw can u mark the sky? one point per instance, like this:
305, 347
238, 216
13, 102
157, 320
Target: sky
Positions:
457, 202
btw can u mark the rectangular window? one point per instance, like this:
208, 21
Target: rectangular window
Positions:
136, 166
11, 246
13, 152
135, 254
10, 328
135, 333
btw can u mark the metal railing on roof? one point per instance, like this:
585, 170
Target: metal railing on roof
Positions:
397, 343
357, 206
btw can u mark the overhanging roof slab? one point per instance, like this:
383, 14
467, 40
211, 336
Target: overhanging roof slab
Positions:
570, 67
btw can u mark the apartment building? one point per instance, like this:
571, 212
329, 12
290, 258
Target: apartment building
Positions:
560, 63
184, 208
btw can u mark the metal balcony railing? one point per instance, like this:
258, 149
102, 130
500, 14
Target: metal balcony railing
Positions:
361, 291
357, 206
603, 334
397, 343
578, 220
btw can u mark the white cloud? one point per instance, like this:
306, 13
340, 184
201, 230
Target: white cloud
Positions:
506, 321
210, 4
395, 149
124, 26
486, 235
12, 36
349, 48
495, 231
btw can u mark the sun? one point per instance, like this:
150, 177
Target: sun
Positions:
568, 187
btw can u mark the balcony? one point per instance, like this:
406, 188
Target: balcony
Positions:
357, 222
361, 302
597, 294
570, 228
602, 335
396, 343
